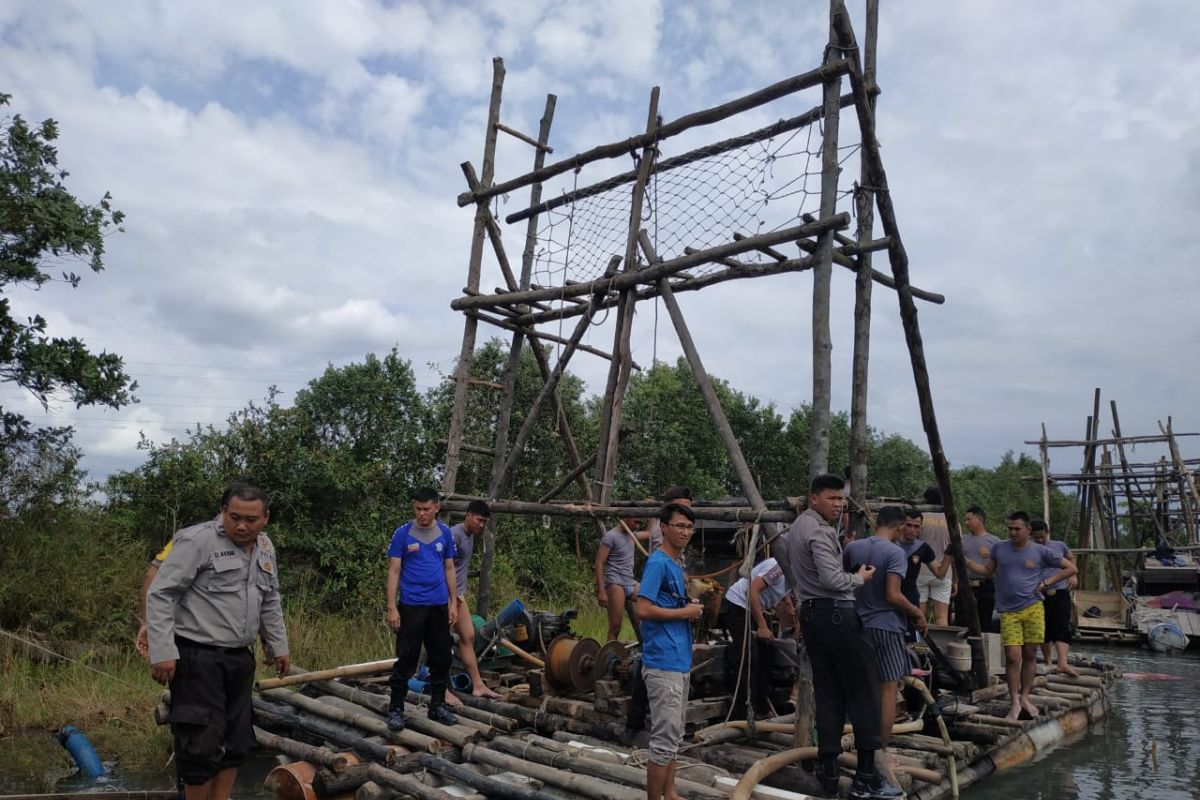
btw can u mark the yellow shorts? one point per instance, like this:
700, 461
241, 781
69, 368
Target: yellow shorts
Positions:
1027, 626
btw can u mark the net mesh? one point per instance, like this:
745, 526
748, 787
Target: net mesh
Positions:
751, 190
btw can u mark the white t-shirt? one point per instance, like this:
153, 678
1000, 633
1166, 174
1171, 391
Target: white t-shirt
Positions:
770, 571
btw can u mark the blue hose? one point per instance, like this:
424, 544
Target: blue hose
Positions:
81, 750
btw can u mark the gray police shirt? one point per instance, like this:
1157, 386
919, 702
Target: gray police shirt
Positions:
815, 560
1061, 551
211, 591
978, 548
870, 599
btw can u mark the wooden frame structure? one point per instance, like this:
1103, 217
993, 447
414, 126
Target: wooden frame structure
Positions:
1151, 501
637, 273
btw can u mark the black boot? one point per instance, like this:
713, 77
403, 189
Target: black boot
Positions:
827, 775
869, 785
439, 713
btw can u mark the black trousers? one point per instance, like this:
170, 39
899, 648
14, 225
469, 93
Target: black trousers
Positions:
210, 709
422, 625
845, 676
734, 619
985, 604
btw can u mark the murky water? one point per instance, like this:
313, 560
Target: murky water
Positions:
1147, 748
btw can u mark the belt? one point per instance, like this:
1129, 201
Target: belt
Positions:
179, 640
978, 583
826, 602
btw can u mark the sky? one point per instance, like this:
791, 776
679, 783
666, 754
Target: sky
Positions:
289, 172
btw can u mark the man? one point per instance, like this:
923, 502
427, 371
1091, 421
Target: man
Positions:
883, 609
1019, 566
421, 566
747, 601
666, 614
917, 554
676, 494
933, 588
1057, 605
845, 680
464, 533
214, 592
614, 572
977, 548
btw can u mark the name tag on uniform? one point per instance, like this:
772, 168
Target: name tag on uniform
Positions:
223, 563
414, 547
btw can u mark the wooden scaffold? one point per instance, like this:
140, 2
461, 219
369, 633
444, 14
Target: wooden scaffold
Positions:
681, 223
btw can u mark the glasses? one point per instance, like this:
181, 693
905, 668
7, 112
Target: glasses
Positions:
686, 527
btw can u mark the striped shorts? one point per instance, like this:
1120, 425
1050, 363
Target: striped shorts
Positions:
891, 654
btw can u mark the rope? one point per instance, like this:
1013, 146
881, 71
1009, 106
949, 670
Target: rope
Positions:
108, 675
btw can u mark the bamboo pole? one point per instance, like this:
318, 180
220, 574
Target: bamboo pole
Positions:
405, 784
1126, 439
323, 756
466, 353
347, 671
650, 275
673, 128
584, 785
898, 258
409, 737
501, 467
619, 367
863, 284
822, 344
270, 714
584, 509
487, 786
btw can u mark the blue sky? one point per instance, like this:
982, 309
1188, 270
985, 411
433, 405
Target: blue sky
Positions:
290, 169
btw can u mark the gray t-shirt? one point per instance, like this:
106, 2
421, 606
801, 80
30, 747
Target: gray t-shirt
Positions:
464, 544
815, 560
618, 568
1018, 573
979, 548
1061, 551
870, 599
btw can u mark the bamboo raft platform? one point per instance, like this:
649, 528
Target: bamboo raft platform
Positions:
548, 740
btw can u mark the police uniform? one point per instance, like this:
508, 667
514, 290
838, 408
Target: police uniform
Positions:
207, 604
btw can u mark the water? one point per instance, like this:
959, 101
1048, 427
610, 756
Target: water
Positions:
1147, 747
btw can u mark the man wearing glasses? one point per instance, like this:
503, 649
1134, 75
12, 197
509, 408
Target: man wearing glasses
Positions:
666, 616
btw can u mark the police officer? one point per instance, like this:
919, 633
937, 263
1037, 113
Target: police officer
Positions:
215, 592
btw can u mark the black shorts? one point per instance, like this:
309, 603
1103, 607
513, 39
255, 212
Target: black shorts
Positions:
1058, 616
210, 709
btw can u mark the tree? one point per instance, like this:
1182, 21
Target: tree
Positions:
43, 227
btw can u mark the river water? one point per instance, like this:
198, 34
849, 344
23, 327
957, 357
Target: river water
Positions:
1147, 747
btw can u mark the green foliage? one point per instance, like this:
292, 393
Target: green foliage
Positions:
1000, 491
43, 227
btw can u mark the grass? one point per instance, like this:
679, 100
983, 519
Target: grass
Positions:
107, 693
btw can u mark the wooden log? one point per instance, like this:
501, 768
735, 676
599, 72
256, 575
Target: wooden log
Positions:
579, 784
498, 722
529, 140
673, 128
631, 776
328, 783
524, 716
341, 735
485, 785
416, 721
363, 720
373, 791
548, 337
139, 794
322, 756
296, 677
405, 784
719, 513
664, 269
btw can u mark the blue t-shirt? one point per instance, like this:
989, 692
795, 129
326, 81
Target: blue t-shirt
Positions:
665, 645
1061, 551
1018, 573
870, 599
424, 554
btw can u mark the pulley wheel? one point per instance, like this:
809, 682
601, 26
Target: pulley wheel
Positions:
558, 654
582, 662
610, 654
